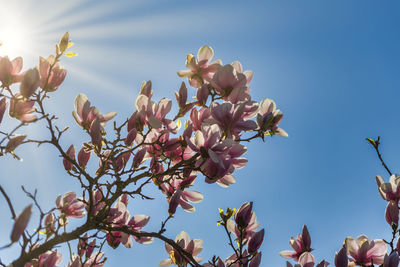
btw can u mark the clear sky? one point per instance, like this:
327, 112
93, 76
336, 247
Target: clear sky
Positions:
332, 67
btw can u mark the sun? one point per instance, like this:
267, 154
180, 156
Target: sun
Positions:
15, 34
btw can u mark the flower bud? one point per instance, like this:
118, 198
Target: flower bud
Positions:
243, 216
391, 260
20, 223
64, 42
130, 137
71, 154
138, 158
83, 157
392, 214
30, 82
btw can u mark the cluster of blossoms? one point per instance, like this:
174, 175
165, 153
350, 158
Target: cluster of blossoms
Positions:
148, 148
361, 251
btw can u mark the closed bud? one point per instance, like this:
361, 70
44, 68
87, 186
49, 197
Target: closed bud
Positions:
20, 223
130, 137
243, 216
83, 157
392, 214
138, 158
71, 154
391, 260
64, 42
30, 82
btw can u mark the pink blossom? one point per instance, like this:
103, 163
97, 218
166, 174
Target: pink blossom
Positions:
239, 69
269, 117
201, 68
178, 195
47, 259
230, 84
247, 230
84, 114
218, 158
9, 70
364, 251
51, 82
70, 206
300, 244
30, 82
392, 214
230, 118
22, 109
389, 191
193, 247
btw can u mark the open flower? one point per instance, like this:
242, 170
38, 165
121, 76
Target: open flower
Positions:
22, 109
201, 68
193, 247
363, 251
389, 191
9, 70
269, 117
300, 244
70, 206
85, 115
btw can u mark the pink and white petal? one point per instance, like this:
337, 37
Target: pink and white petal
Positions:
198, 246
205, 54
288, 254
226, 181
192, 196
140, 220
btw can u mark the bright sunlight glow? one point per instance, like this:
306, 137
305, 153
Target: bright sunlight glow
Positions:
14, 34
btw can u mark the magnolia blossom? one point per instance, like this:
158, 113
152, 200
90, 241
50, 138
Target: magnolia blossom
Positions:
201, 68
230, 117
218, 158
22, 109
85, 115
300, 244
9, 70
389, 191
51, 82
70, 206
364, 251
30, 82
193, 247
245, 223
174, 188
269, 117
119, 216
230, 84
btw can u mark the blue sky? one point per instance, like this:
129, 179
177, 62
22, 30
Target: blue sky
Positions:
332, 67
